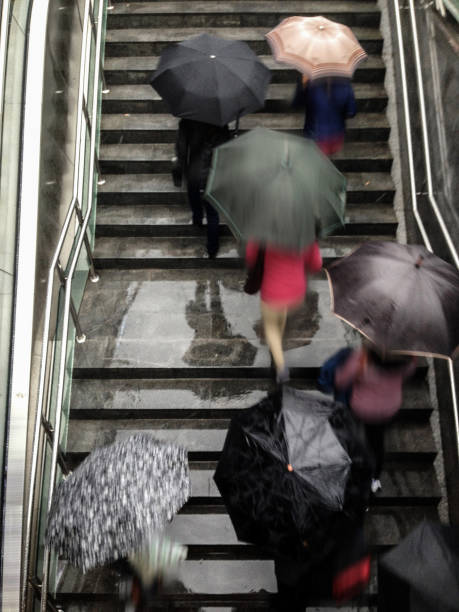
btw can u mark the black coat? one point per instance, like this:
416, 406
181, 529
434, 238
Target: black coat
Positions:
195, 142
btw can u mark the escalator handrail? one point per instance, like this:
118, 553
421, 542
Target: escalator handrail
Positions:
26, 253
427, 163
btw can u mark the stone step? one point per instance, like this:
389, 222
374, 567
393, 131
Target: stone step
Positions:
148, 227
171, 253
204, 439
139, 70
150, 158
151, 41
159, 189
155, 219
99, 588
123, 99
191, 231
402, 484
357, 2
148, 128
186, 398
204, 602
237, 14
203, 327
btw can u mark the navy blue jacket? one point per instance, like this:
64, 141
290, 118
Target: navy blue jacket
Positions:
327, 104
326, 380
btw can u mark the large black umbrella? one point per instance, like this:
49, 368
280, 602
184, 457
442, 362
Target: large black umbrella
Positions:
291, 476
113, 503
401, 296
211, 79
428, 561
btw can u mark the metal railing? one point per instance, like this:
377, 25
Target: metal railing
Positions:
45, 433
427, 162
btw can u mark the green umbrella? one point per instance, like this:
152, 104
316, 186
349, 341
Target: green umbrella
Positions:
276, 188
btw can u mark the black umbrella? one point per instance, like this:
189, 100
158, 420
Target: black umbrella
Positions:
428, 561
113, 503
210, 79
292, 476
402, 297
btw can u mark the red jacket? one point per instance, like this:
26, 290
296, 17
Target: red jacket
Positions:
284, 277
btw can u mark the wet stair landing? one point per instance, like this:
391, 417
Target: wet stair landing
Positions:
174, 346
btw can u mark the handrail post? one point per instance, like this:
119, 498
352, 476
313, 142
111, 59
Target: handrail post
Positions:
93, 276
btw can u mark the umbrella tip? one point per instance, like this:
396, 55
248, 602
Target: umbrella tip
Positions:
419, 261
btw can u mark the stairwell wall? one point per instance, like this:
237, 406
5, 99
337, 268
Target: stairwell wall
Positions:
439, 49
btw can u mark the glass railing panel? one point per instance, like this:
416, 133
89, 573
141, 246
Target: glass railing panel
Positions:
75, 262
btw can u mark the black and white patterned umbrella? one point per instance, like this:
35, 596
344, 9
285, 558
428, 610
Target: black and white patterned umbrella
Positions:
117, 499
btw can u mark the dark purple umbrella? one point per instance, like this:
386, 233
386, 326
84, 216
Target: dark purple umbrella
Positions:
400, 296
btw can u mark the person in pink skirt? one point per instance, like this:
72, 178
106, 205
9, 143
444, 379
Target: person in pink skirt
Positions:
282, 289
376, 393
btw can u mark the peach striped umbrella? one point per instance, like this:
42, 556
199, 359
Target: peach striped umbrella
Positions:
316, 46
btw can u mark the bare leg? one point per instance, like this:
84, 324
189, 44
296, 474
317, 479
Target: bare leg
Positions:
274, 324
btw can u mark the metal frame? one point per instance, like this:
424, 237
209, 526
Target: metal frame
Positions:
97, 35
29, 182
44, 432
427, 163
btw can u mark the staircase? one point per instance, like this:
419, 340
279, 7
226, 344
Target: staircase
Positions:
174, 346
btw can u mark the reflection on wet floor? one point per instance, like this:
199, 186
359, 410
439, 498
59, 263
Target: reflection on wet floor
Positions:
210, 351
191, 323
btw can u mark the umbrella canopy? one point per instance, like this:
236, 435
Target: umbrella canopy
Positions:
402, 297
276, 188
428, 560
316, 46
116, 499
210, 79
291, 477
